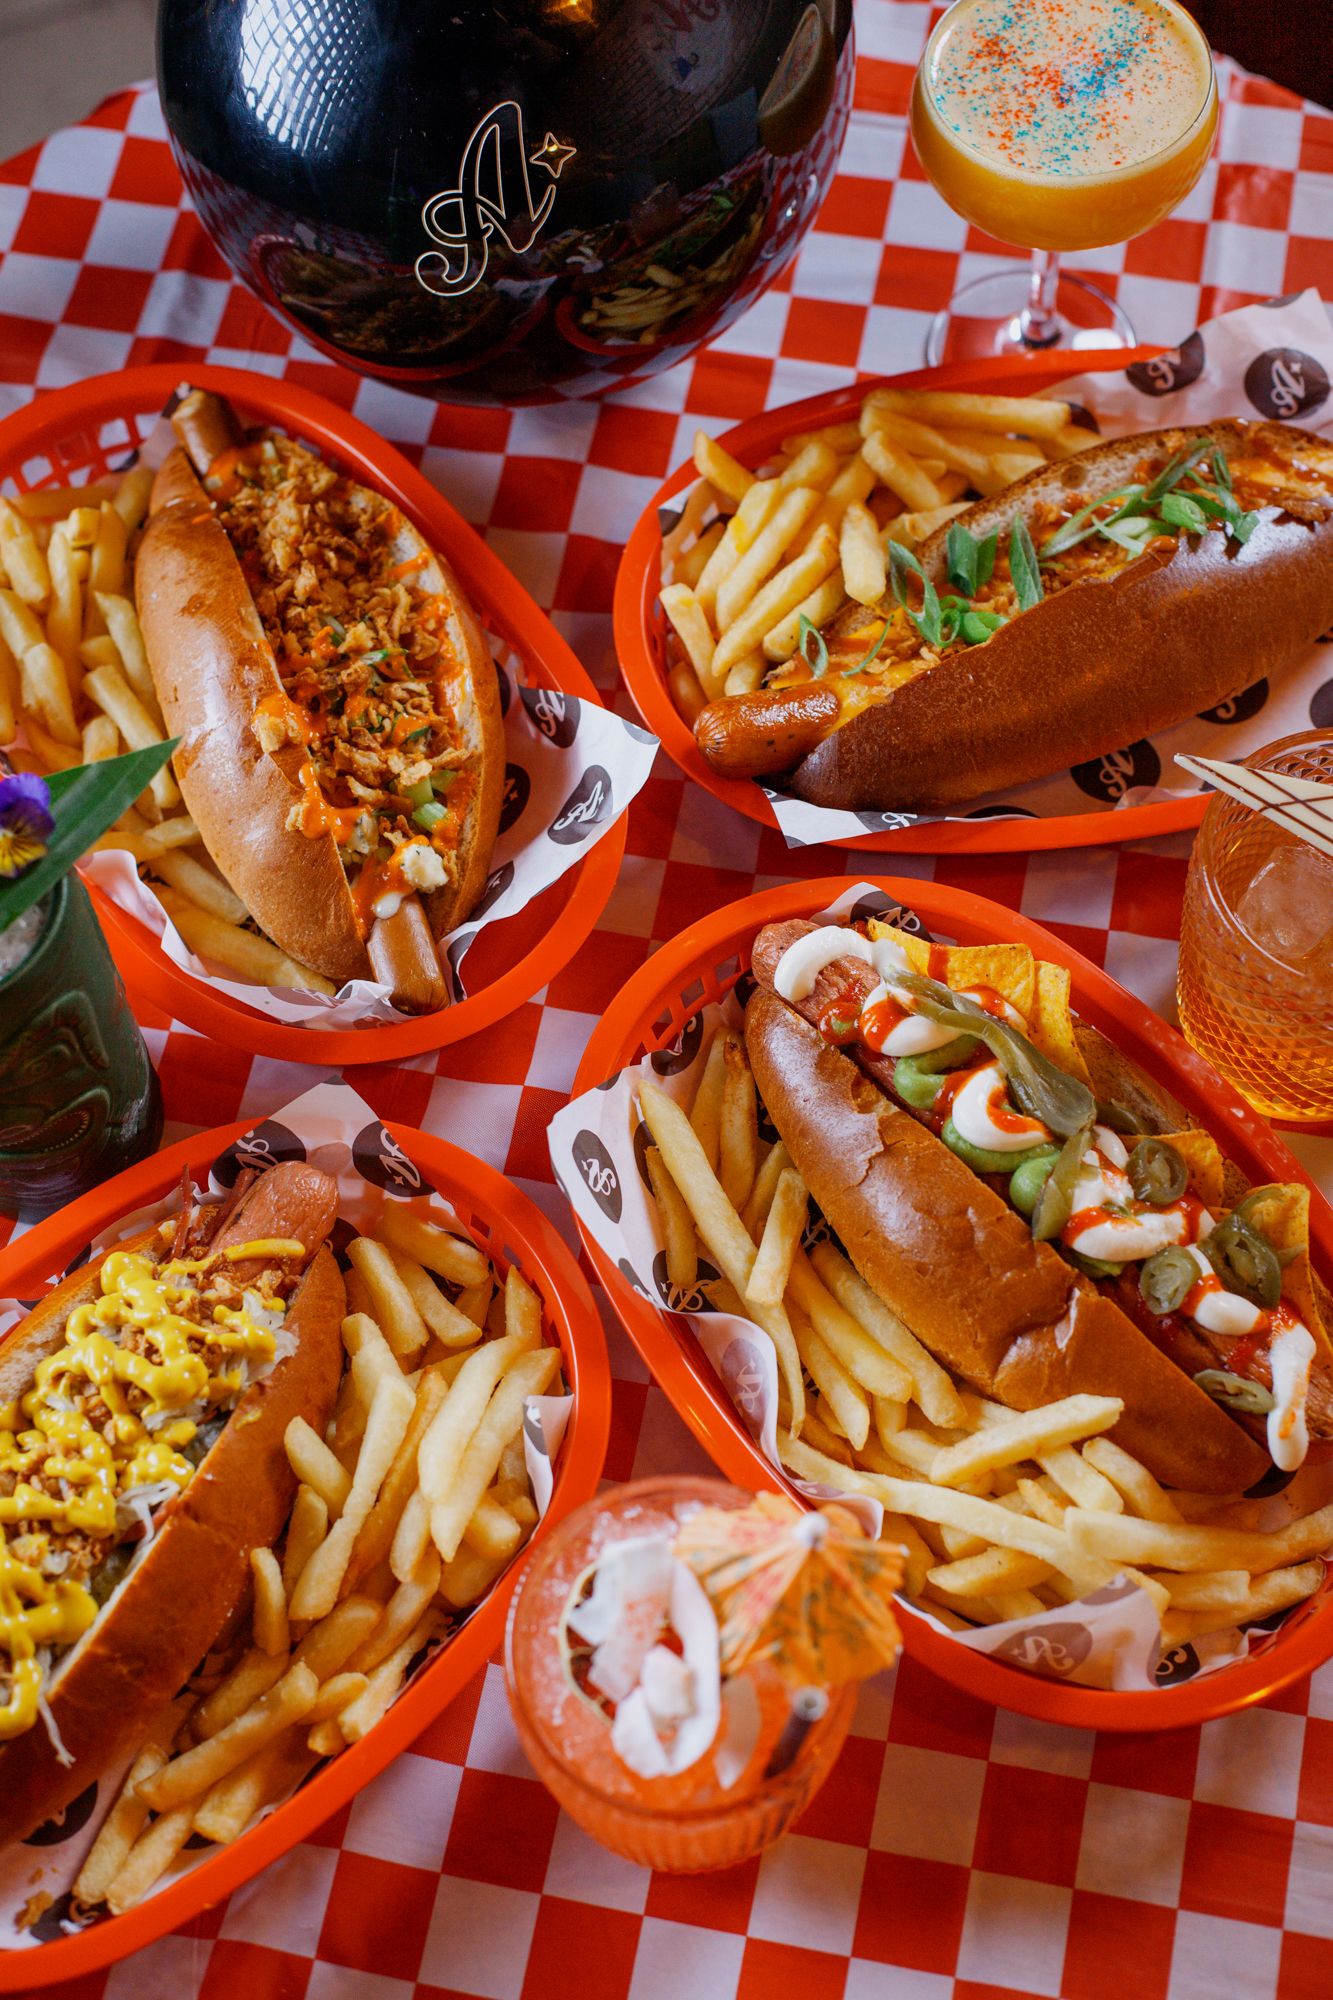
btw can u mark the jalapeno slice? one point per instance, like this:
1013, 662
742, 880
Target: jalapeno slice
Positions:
1167, 1279
1055, 1204
1157, 1173
1036, 1085
1245, 1261
1234, 1392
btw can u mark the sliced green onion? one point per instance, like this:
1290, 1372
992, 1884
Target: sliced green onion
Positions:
1023, 565
429, 815
809, 634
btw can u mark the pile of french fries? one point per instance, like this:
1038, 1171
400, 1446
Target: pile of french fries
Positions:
1001, 1514
408, 1508
74, 676
753, 554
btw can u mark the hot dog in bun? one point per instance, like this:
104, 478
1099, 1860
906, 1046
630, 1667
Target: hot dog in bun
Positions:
341, 744
143, 1405
1038, 1213
1091, 602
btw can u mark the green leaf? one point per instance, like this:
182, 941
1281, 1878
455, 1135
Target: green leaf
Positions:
1221, 470
859, 666
1174, 471
1080, 525
85, 802
1243, 527
1180, 510
902, 565
1023, 565
807, 633
978, 626
970, 561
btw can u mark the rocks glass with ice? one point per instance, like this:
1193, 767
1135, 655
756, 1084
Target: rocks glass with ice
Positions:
1255, 985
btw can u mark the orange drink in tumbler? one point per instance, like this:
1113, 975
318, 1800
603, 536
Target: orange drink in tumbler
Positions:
1064, 124
770, 1753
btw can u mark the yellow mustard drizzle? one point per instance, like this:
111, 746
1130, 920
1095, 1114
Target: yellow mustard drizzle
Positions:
92, 1467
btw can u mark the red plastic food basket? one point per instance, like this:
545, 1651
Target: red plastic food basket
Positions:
701, 966
641, 628
511, 1229
79, 433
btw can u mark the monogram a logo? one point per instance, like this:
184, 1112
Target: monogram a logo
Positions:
1168, 372
1284, 383
1118, 772
494, 193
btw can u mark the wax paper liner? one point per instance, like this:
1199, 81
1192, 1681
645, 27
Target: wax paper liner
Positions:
333, 1128
1110, 1639
571, 769
1273, 361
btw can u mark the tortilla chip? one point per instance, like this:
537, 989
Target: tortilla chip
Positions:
1052, 1024
1280, 1211
1009, 968
1203, 1156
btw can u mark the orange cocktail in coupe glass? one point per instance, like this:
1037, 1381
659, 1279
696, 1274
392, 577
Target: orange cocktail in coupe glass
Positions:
1255, 981
686, 1729
1058, 125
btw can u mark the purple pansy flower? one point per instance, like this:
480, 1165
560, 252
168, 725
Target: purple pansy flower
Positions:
26, 822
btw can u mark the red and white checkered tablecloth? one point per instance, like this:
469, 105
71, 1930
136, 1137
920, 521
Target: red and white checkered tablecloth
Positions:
957, 1853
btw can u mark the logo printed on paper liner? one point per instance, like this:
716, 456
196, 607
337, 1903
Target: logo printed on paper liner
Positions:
554, 714
517, 792
1056, 1650
264, 1147
1166, 373
1120, 771
588, 806
1284, 383
1238, 707
597, 1170
378, 1157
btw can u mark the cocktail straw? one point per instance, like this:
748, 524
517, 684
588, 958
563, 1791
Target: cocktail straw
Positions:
1303, 806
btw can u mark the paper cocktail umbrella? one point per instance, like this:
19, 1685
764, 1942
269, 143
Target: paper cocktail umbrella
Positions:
808, 1592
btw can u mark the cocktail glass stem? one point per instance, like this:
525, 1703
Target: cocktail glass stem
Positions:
1039, 323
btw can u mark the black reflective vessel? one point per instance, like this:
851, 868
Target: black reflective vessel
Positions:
506, 202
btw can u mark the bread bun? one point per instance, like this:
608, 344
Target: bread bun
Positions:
163, 1617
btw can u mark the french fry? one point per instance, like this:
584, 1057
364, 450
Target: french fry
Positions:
755, 1213
113, 693
849, 1402
1067, 443
492, 1529
992, 1570
9, 694
454, 1502
738, 1134
317, 1588
690, 624
315, 1465
252, 1676
411, 1536
746, 523
267, 1774
900, 472
101, 740
376, 1536
203, 885
700, 499
46, 688
855, 481
781, 1240
688, 568
106, 572
823, 604
1006, 467
706, 1110
922, 440
757, 563
686, 692
64, 617
269, 1613
1031, 416
199, 1768
1165, 1545
123, 625
1027, 1434
20, 627
890, 1418
815, 464
862, 555
1133, 1480
682, 1261
446, 1323
401, 1614
130, 498
125, 1821
1267, 1594
335, 1694
776, 600
934, 1390
748, 673
1082, 1482
449, 1256
523, 1309
1212, 1590
98, 650
331, 1642
149, 1858
306, 1528
394, 1307
841, 438
720, 469
24, 562
51, 503
869, 1364
360, 1717
720, 1227
237, 950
